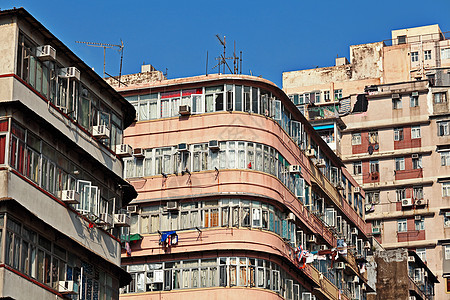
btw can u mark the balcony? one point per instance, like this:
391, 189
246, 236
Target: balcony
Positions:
411, 235
408, 174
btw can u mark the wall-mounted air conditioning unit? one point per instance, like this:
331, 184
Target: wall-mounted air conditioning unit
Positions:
122, 220
354, 231
132, 209
415, 94
70, 72
46, 52
138, 153
356, 189
213, 145
124, 150
100, 131
310, 152
184, 110
407, 202
172, 205
418, 218
183, 147
419, 202
411, 259
68, 287
320, 163
295, 169
70, 196
105, 219
311, 238
340, 265
376, 230
414, 156
339, 185
368, 207
395, 96
291, 217
412, 298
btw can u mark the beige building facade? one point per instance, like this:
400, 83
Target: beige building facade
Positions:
388, 121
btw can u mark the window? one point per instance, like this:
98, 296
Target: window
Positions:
414, 56
415, 132
373, 137
445, 53
398, 134
414, 101
401, 39
402, 225
372, 197
440, 97
337, 94
422, 253
445, 158
443, 128
446, 189
419, 224
396, 103
326, 96
427, 54
417, 162
399, 163
357, 168
418, 192
356, 139
400, 194
374, 166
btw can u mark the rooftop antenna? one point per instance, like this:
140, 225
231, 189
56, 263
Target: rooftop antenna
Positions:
224, 44
223, 59
104, 46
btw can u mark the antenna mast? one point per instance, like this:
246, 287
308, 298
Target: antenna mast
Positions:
104, 46
223, 59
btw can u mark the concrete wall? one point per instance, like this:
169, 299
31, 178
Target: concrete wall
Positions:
392, 266
8, 45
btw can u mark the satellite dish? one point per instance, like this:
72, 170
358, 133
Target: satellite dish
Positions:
370, 150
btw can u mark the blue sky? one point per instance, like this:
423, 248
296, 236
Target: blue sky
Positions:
274, 36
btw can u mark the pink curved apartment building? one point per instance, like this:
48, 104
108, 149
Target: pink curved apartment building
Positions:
232, 180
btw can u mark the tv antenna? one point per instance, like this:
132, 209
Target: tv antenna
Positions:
104, 46
223, 59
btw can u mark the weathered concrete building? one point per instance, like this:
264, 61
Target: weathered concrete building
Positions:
388, 120
401, 274
61, 186
230, 202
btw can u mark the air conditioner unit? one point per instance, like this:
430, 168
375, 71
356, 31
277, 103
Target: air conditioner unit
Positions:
307, 296
213, 145
320, 163
368, 207
138, 153
46, 52
311, 238
354, 231
419, 202
184, 110
310, 153
447, 214
407, 202
183, 147
418, 218
411, 259
105, 219
124, 150
70, 196
70, 72
122, 220
415, 156
412, 298
291, 217
339, 265
295, 169
356, 189
172, 205
100, 131
376, 230
323, 247
132, 209
395, 96
367, 245
68, 287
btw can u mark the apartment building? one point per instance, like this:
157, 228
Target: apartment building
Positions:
61, 187
238, 196
389, 115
